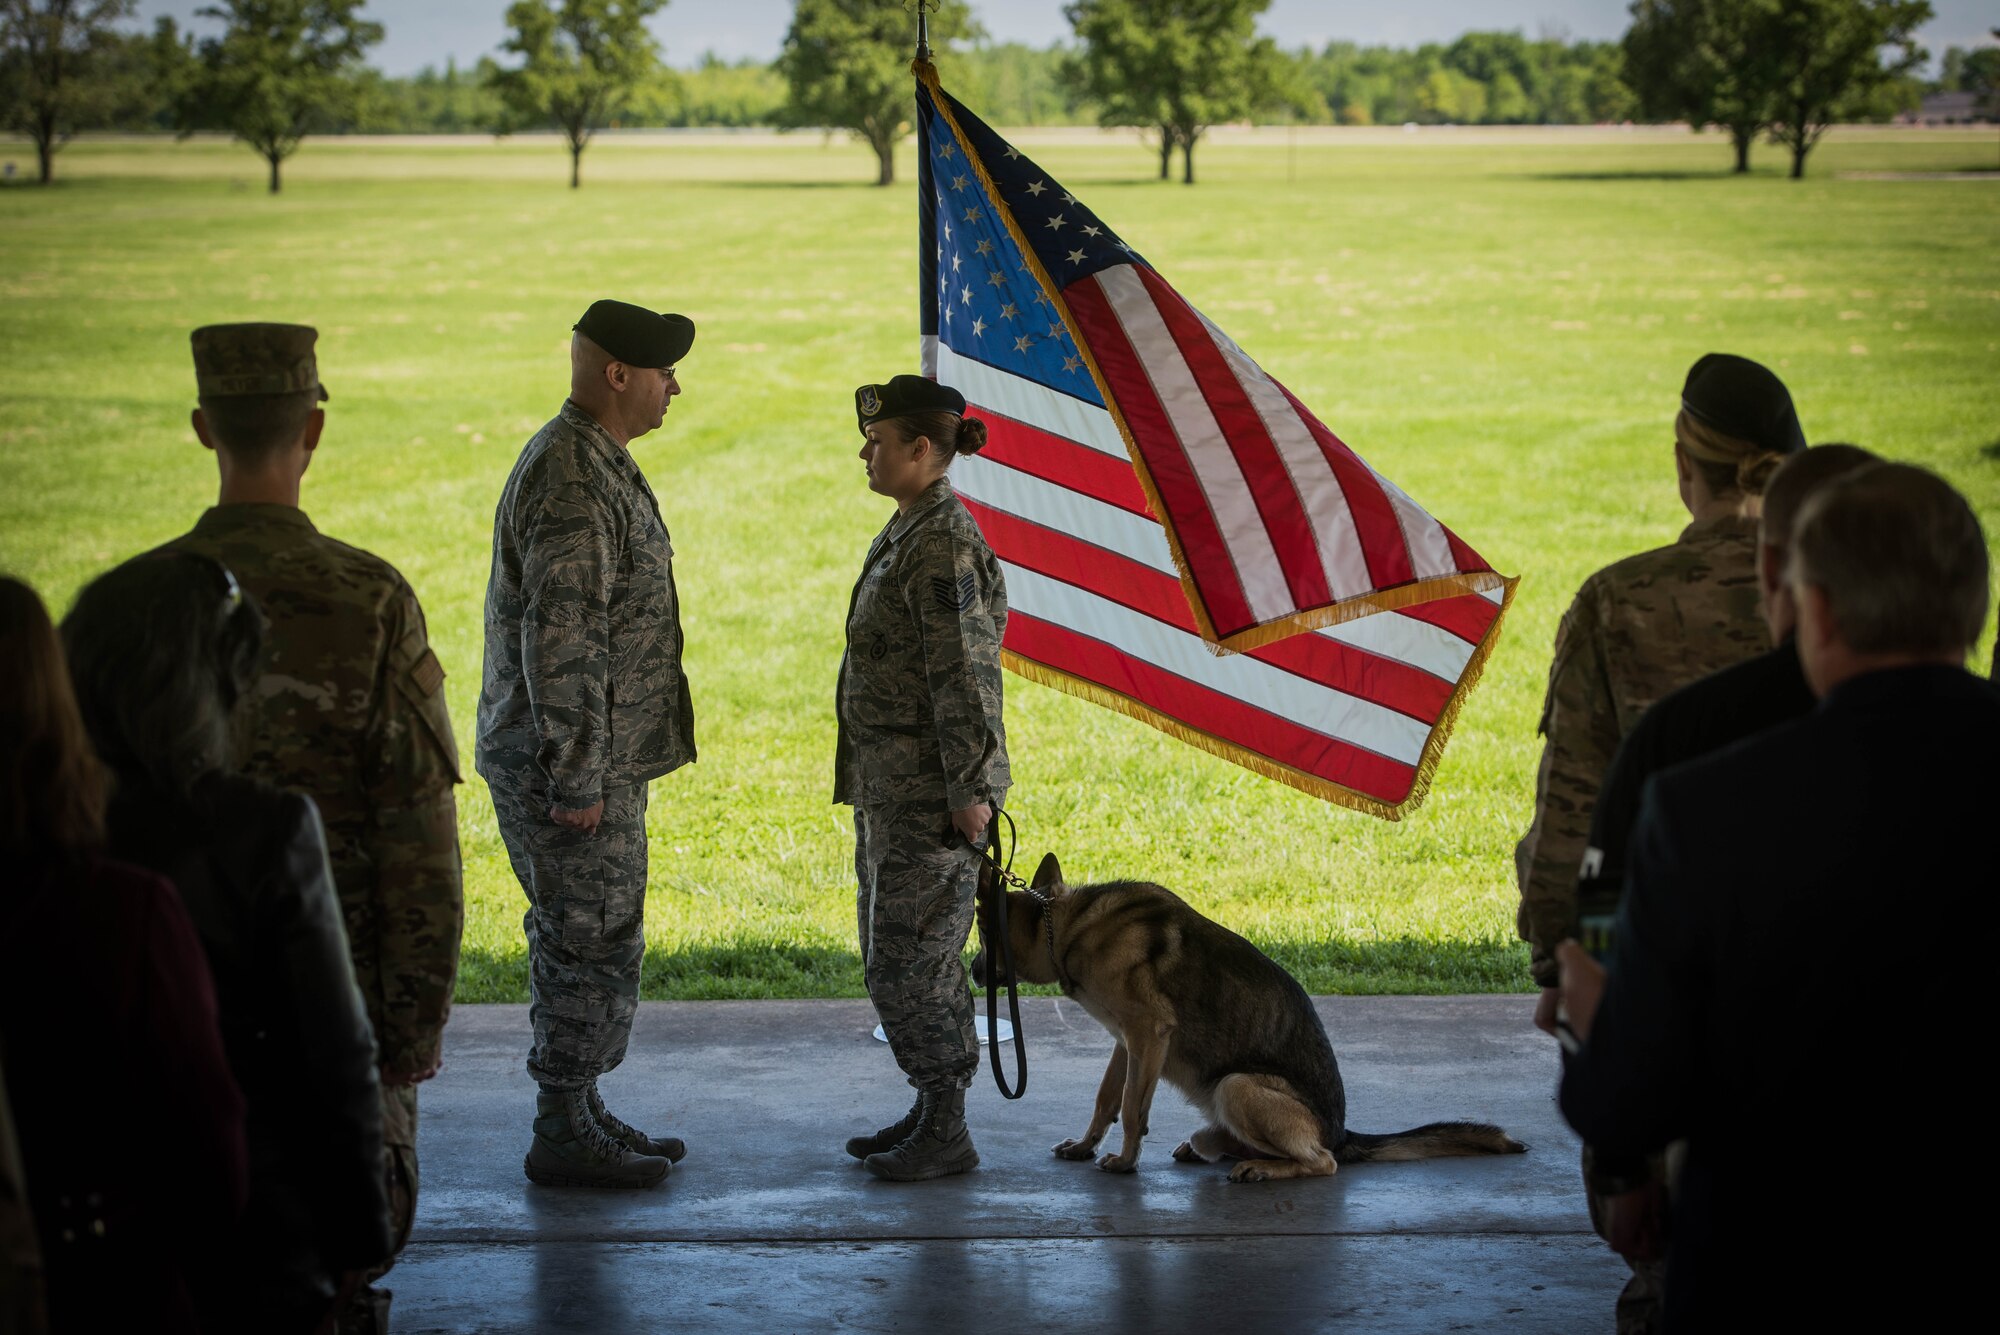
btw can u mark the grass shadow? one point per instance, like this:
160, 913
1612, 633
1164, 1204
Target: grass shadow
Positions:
760, 971
1635, 176
1991, 452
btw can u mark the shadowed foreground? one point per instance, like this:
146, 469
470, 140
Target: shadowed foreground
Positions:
767, 1226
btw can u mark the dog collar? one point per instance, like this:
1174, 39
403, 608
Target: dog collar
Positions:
1048, 903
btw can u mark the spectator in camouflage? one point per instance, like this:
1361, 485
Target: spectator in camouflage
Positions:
1638, 630
583, 703
349, 710
922, 758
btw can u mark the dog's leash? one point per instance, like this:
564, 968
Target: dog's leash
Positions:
1003, 874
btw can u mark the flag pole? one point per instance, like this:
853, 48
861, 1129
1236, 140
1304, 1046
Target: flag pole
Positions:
924, 8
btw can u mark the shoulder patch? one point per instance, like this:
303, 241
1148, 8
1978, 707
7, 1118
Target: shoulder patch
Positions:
955, 596
427, 674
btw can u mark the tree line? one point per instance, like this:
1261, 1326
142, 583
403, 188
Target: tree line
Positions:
279, 70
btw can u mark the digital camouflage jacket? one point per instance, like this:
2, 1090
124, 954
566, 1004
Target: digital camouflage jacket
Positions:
1638, 630
919, 695
583, 686
350, 710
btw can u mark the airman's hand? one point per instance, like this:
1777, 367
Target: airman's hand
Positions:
1582, 986
1546, 1008
585, 819
972, 822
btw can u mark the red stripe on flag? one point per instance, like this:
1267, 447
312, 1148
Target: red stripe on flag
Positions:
1463, 556
1062, 461
1208, 711
1271, 486
1325, 662
1374, 517
1200, 540
1468, 616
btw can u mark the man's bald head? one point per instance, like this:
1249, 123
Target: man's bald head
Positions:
586, 365
628, 401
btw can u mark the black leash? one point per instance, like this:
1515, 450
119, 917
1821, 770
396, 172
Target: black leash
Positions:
1003, 876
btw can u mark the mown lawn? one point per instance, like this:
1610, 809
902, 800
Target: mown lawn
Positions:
1499, 321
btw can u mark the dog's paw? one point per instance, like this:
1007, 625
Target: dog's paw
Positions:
1117, 1163
1184, 1153
1251, 1171
1075, 1149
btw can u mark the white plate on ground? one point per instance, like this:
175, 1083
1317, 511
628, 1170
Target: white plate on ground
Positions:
978, 1023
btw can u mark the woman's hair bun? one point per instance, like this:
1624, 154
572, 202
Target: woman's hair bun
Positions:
971, 435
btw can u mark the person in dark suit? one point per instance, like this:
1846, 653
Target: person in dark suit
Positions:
108, 1021
1738, 1012
160, 648
1628, 1197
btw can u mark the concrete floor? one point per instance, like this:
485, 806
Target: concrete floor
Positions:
768, 1226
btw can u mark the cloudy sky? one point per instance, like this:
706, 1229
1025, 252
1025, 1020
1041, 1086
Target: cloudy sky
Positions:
427, 32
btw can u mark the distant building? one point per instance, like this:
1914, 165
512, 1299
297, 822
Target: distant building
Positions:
1948, 109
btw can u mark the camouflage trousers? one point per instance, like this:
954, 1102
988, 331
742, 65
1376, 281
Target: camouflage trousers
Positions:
586, 901
916, 883
367, 1312
1640, 1304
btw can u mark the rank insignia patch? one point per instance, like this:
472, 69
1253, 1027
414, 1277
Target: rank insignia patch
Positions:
956, 597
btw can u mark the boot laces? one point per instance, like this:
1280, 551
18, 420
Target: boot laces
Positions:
617, 1129
593, 1136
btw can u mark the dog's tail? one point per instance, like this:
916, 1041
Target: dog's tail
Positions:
1433, 1140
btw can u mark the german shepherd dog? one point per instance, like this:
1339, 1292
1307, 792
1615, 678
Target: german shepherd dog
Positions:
1191, 1001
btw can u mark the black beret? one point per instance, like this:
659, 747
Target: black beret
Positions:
635, 335
1741, 398
903, 395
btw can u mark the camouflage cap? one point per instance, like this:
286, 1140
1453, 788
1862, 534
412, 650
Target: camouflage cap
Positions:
233, 360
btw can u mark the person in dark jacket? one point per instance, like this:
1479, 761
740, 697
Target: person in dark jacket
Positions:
1732, 1015
109, 949
160, 648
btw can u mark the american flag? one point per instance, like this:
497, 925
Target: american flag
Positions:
1183, 540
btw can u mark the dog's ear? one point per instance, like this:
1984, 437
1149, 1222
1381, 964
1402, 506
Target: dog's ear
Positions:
1049, 873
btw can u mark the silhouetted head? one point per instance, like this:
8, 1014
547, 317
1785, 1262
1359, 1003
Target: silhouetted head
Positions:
160, 649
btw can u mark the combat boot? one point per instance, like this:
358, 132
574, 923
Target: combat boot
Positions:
889, 1136
572, 1150
671, 1148
938, 1146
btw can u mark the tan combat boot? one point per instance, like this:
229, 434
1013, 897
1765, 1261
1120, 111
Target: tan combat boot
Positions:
670, 1148
938, 1146
889, 1136
572, 1150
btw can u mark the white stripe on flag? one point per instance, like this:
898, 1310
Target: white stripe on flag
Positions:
1208, 454
1407, 640
1086, 518
1334, 534
1025, 401
1419, 644
1430, 553
1289, 696
927, 355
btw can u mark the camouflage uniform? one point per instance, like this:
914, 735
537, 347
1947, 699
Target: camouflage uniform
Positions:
1638, 630
921, 736
350, 710
583, 700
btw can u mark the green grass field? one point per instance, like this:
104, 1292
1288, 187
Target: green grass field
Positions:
1497, 320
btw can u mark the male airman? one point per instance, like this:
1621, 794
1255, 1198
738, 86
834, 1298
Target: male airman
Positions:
583, 703
349, 709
